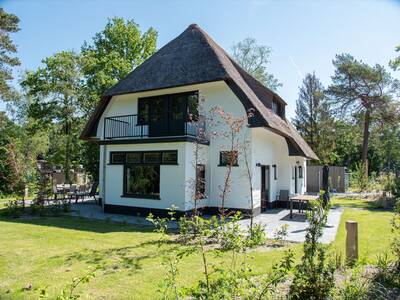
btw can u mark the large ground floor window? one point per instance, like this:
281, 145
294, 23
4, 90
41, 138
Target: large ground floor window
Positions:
142, 181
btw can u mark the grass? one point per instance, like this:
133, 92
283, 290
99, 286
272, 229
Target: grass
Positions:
52, 251
374, 227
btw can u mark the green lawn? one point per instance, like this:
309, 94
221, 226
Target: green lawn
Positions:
374, 227
51, 251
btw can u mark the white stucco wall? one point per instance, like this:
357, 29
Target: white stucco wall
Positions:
176, 182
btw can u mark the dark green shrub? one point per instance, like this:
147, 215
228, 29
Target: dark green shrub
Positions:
313, 277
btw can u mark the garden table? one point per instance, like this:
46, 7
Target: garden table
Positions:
300, 199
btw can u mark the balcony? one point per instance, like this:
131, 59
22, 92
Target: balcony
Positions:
129, 127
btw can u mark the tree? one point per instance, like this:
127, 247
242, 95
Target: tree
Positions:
8, 24
113, 54
358, 88
395, 63
54, 90
254, 59
313, 119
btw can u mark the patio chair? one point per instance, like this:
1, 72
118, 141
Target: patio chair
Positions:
90, 193
284, 197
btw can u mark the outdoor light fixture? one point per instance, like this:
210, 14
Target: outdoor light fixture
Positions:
258, 165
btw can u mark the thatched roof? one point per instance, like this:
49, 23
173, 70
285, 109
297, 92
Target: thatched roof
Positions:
193, 58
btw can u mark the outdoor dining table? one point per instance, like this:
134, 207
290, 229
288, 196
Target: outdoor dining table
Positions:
300, 199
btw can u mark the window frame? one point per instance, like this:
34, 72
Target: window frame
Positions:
275, 172
140, 196
221, 153
142, 162
300, 170
203, 192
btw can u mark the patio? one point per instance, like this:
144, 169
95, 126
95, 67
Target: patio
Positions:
273, 219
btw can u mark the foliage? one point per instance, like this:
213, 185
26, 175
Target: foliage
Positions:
254, 59
281, 233
358, 88
54, 91
8, 24
313, 277
312, 115
256, 236
114, 52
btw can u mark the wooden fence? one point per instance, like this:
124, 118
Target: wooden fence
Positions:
338, 179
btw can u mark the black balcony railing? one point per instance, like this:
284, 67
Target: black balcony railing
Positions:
127, 126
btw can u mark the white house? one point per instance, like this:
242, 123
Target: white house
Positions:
147, 142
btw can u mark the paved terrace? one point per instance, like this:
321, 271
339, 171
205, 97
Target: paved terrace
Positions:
273, 219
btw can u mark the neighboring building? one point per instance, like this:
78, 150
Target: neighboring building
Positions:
147, 142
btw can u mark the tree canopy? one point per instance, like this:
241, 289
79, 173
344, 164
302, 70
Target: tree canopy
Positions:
254, 58
358, 88
8, 24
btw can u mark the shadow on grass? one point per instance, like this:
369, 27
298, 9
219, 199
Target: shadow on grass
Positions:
78, 223
128, 258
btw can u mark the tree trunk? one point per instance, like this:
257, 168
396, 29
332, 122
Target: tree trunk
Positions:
364, 157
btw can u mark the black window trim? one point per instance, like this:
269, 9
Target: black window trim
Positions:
138, 196
275, 172
142, 159
142, 100
225, 165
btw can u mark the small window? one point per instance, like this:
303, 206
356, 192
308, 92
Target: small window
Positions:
228, 158
170, 157
152, 157
117, 158
201, 181
300, 172
275, 175
275, 107
134, 157
142, 181
293, 172
143, 112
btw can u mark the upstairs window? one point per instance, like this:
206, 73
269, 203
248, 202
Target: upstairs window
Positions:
228, 158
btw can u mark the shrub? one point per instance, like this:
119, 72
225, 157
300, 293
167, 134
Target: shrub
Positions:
313, 277
256, 236
281, 234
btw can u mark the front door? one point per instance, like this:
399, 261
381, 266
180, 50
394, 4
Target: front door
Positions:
265, 187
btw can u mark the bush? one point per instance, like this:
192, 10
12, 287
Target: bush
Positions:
281, 234
313, 277
256, 236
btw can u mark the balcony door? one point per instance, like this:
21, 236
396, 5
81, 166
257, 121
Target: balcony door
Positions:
158, 121
177, 114
168, 114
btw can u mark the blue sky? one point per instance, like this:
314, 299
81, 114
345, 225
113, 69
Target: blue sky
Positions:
304, 35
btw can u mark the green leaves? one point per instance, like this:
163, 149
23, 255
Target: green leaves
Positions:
8, 24
254, 59
114, 52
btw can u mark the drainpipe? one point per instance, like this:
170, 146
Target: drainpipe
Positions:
104, 176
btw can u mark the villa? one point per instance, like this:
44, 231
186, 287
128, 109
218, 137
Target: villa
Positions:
147, 137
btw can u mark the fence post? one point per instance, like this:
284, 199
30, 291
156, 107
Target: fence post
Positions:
352, 241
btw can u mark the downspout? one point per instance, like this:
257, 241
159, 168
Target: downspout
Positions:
104, 176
